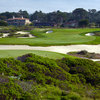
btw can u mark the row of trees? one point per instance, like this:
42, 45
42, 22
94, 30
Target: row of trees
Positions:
58, 17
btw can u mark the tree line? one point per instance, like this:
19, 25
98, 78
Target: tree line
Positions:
79, 15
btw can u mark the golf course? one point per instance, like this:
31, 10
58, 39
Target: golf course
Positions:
49, 50
41, 63
42, 38
57, 37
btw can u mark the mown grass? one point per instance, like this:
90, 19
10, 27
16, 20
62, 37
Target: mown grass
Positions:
58, 37
16, 53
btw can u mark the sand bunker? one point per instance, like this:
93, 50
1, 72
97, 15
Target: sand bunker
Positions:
21, 32
49, 32
29, 36
5, 35
25, 33
89, 34
59, 49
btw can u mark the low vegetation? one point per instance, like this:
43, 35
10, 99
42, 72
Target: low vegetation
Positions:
32, 77
12, 29
97, 33
85, 54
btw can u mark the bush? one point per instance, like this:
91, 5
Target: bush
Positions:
3, 23
67, 74
83, 52
89, 69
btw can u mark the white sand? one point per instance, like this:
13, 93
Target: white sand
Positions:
95, 59
30, 36
49, 32
89, 34
59, 49
21, 32
5, 34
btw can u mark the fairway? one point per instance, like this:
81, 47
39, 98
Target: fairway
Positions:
58, 37
16, 53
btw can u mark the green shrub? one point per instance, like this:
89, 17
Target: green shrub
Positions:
89, 69
44, 78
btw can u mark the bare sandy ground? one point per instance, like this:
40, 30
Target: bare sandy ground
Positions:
59, 49
21, 32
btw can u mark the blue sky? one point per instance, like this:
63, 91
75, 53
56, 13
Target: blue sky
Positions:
47, 5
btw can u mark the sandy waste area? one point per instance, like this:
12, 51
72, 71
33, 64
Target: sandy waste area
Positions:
59, 49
